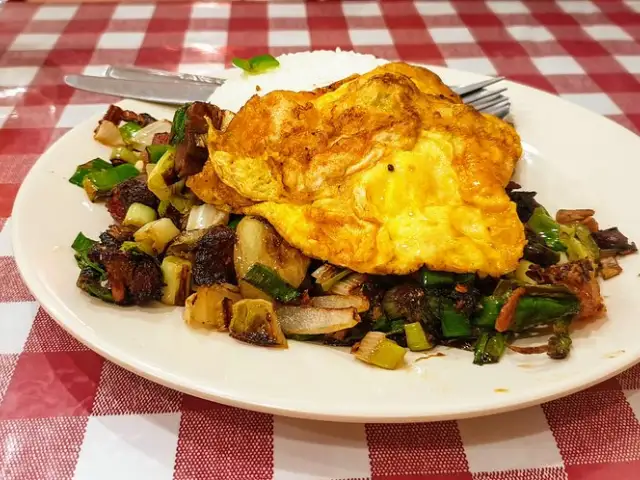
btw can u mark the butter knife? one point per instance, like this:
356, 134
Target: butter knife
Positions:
159, 92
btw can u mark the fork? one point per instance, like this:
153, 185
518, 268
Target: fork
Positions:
475, 94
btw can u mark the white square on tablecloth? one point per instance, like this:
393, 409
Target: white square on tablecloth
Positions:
131, 12
205, 39
633, 397
4, 114
6, 247
430, 8
606, 32
511, 6
511, 441
451, 35
578, 6
361, 9
306, 450
121, 40
34, 41
72, 115
630, 62
52, 12
634, 5
476, 65
129, 447
526, 33
15, 324
17, 76
289, 38
558, 65
598, 102
210, 10
363, 37
95, 70
294, 10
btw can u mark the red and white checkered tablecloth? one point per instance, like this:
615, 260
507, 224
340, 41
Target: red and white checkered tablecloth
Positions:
67, 413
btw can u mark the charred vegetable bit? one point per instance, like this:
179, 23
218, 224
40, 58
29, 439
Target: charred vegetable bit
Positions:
613, 239
95, 165
177, 280
489, 348
82, 245
405, 301
267, 280
525, 204
126, 194
91, 282
100, 183
609, 267
254, 321
545, 226
559, 346
210, 307
536, 250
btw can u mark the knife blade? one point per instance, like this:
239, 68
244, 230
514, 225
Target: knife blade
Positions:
158, 92
155, 75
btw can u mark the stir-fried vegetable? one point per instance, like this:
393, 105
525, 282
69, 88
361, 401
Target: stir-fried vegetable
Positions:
124, 154
157, 234
545, 226
255, 321
99, 183
128, 130
489, 348
178, 124
156, 152
83, 170
257, 64
82, 245
205, 216
536, 250
108, 134
328, 275
176, 272
143, 137
210, 307
360, 303
267, 280
157, 181
435, 279
349, 285
612, 239
376, 349
139, 215
417, 339
313, 321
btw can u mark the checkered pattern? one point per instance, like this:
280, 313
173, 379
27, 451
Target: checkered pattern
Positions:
67, 413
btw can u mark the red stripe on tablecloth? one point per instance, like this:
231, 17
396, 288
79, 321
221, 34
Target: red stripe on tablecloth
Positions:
609, 471
122, 392
13, 289
53, 384
595, 426
47, 336
393, 449
248, 30
223, 443
7, 365
8, 192
544, 473
162, 45
327, 27
41, 448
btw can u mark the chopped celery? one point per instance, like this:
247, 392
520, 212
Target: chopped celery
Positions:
128, 129
376, 349
155, 152
99, 183
138, 215
123, 153
257, 64
83, 170
156, 181
267, 280
417, 340
176, 273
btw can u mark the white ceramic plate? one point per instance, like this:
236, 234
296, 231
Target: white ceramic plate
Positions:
573, 158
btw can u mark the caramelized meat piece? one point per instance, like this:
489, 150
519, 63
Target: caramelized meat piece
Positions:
214, 257
161, 139
116, 235
134, 278
525, 203
113, 115
142, 119
580, 278
613, 239
128, 192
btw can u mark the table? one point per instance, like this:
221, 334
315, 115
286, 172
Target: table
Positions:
67, 413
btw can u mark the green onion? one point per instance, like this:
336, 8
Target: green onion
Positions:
82, 245
155, 152
101, 182
138, 215
257, 64
491, 307
233, 223
83, 170
417, 340
91, 282
545, 226
156, 181
157, 234
176, 273
123, 153
453, 323
128, 129
376, 349
432, 278
489, 348
267, 280
178, 125
536, 310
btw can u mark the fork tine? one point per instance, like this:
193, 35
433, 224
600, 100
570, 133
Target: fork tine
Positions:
482, 95
499, 110
466, 89
498, 99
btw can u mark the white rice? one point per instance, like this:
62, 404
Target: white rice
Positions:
297, 72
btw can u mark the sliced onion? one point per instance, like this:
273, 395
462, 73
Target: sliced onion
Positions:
315, 321
205, 216
108, 134
328, 275
349, 285
361, 304
144, 137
